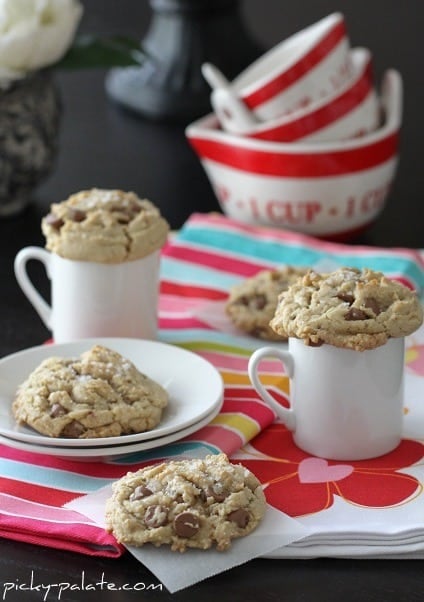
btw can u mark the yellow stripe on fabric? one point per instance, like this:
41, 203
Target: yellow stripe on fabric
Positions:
211, 346
269, 380
246, 427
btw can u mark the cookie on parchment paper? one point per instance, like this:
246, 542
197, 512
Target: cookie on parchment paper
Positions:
193, 503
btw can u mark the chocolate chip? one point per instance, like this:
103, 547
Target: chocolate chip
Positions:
202, 495
127, 212
74, 429
76, 215
257, 332
54, 221
373, 305
258, 301
346, 297
57, 410
243, 300
355, 313
135, 209
317, 343
140, 492
217, 492
124, 219
186, 524
156, 516
240, 517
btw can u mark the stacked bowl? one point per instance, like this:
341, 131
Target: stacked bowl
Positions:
302, 139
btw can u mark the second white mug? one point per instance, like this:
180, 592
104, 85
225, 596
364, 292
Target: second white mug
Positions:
94, 299
344, 404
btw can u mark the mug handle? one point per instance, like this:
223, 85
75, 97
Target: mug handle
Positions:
286, 415
41, 306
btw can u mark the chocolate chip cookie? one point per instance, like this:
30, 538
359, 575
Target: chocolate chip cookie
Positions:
99, 394
104, 226
348, 308
195, 503
251, 303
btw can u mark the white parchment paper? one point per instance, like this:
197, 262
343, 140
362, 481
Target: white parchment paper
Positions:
179, 570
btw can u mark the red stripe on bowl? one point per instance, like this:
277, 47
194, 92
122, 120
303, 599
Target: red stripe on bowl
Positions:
298, 70
302, 164
324, 115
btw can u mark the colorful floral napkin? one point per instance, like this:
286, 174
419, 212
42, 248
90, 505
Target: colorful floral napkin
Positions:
358, 507
367, 508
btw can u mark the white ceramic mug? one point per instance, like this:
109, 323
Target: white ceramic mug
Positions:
94, 299
344, 404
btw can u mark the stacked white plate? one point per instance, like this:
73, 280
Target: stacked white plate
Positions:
194, 386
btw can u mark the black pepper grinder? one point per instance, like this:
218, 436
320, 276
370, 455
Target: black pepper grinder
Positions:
182, 35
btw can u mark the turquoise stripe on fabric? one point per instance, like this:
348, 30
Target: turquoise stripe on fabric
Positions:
188, 273
50, 477
301, 255
193, 449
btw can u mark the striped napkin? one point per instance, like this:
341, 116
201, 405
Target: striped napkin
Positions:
199, 264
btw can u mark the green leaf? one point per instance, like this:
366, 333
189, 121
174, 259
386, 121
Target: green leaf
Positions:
90, 52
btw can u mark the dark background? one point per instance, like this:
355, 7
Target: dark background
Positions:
103, 146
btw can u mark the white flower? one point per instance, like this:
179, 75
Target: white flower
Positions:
35, 34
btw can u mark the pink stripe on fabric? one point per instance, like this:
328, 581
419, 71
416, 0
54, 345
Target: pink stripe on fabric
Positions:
277, 393
404, 280
240, 392
243, 393
224, 439
218, 260
88, 533
189, 291
179, 323
107, 549
34, 492
238, 363
19, 507
175, 303
259, 412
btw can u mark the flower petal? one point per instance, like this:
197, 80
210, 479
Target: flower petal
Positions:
408, 452
378, 490
277, 442
296, 499
284, 490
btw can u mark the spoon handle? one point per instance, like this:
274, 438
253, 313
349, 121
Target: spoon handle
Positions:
233, 114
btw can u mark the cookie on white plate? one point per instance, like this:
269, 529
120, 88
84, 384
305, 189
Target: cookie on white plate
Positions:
99, 394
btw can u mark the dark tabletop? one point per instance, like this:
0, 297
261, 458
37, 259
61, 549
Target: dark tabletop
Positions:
103, 145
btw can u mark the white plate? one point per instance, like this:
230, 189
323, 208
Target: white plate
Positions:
109, 452
195, 387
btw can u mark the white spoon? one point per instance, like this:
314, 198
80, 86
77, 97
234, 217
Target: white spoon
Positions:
233, 114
